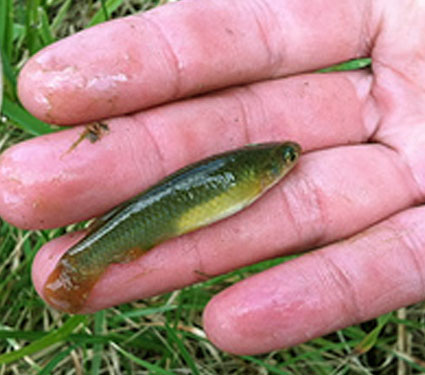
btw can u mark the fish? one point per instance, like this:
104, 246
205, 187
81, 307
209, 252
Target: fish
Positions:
193, 197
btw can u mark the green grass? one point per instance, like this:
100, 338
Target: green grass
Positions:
160, 335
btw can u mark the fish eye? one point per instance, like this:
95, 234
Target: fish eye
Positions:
290, 155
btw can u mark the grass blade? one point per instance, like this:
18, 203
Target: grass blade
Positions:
45, 32
371, 338
47, 370
60, 16
24, 120
61, 334
348, 65
149, 366
271, 369
33, 40
6, 26
103, 13
138, 313
99, 322
184, 353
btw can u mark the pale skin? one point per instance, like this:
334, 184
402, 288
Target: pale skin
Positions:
360, 184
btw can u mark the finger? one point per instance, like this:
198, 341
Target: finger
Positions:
308, 209
399, 83
356, 280
398, 68
43, 184
184, 49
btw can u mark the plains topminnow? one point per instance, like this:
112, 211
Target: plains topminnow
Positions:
194, 196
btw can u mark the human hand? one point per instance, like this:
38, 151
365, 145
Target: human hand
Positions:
363, 136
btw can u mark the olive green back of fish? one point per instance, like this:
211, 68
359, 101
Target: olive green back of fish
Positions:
191, 198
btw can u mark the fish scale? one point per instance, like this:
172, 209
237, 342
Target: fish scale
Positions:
197, 195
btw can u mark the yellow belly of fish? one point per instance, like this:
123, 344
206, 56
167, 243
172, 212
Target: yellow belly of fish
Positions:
219, 207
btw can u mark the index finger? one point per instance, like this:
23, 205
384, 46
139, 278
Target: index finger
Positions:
184, 49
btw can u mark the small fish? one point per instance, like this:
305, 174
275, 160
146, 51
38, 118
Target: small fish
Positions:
193, 197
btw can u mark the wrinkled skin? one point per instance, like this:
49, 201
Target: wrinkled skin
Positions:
356, 195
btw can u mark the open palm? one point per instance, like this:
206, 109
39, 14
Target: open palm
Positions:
355, 196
